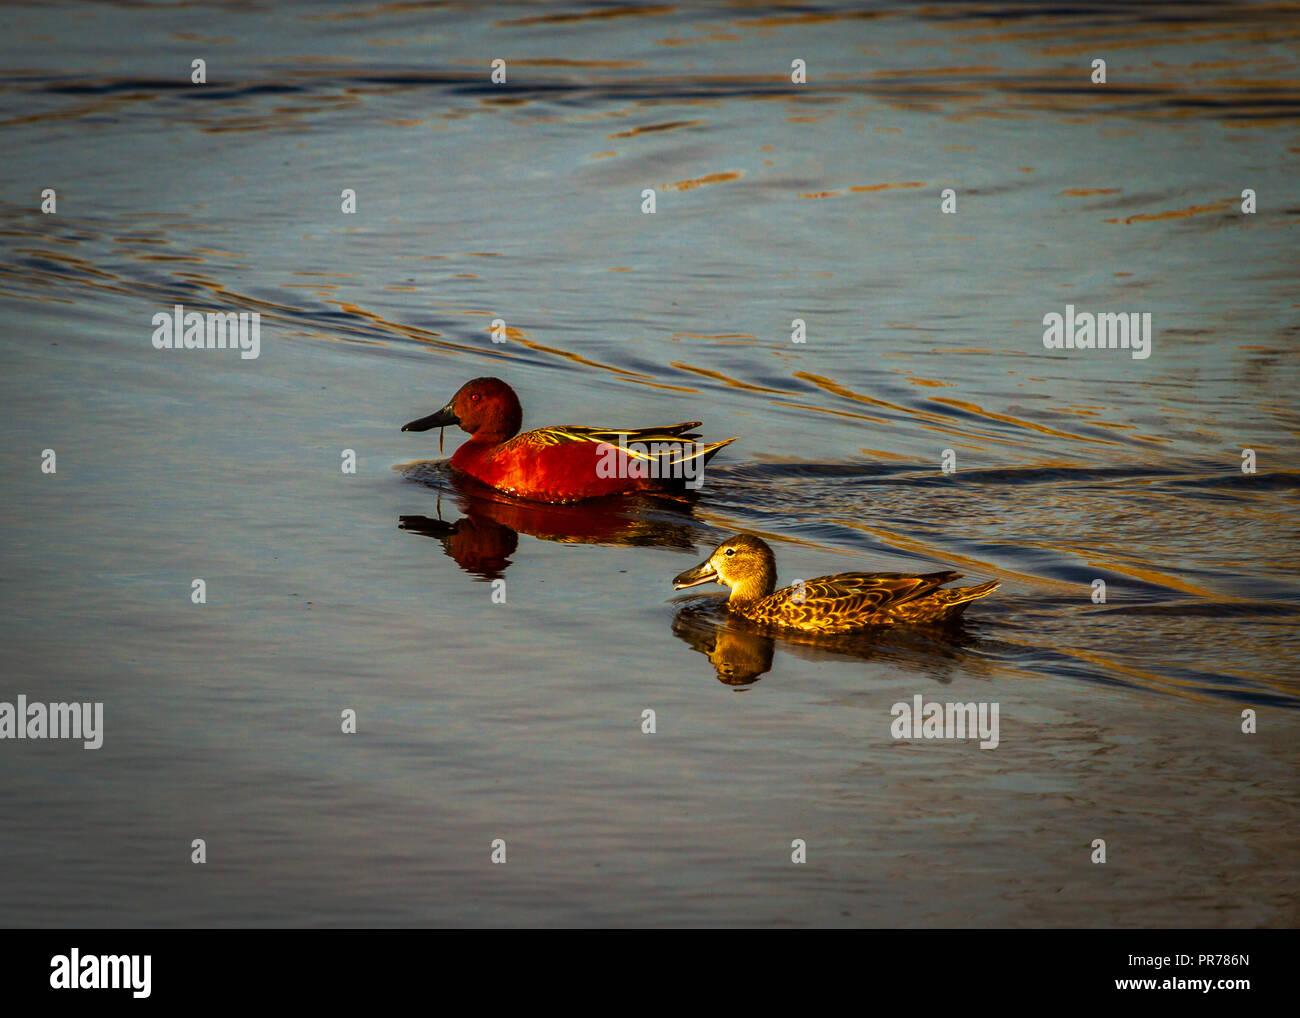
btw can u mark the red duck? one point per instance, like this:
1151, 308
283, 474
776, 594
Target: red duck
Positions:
565, 463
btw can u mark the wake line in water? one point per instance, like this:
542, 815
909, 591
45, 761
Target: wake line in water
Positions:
1045, 89
1191, 474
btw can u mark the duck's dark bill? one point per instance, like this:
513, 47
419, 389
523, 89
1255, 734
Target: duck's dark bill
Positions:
703, 573
442, 419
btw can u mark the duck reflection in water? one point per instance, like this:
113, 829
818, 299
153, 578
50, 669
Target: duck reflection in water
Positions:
486, 534
741, 651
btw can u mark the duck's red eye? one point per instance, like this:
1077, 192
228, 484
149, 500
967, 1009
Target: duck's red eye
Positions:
474, 397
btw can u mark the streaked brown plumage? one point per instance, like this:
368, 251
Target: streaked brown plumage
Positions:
827, 604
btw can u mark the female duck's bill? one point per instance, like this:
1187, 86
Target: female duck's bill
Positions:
693, 577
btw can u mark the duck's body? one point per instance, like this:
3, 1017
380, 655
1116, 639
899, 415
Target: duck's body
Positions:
849, 601
569, 462
840, 603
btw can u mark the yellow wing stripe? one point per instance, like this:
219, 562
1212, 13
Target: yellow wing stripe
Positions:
674, 435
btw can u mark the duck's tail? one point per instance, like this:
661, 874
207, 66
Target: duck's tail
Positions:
955, 600
672, 446
682, 469
702, 452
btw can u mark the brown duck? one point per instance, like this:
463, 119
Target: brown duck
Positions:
827, 604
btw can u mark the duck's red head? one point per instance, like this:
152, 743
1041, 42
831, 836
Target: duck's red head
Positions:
487, 408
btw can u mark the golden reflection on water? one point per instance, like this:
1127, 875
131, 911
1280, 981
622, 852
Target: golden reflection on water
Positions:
741, 652
708, 178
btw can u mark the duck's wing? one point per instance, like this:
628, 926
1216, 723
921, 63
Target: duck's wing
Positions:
862, 594
613, 436
639, 442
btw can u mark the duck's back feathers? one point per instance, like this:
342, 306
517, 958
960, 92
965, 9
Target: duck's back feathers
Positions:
671, 445
561, 433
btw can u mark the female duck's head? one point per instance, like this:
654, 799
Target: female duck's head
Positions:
743, 563
487, 408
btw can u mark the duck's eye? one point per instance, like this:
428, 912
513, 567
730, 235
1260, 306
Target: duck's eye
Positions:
731, 551
474, 397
